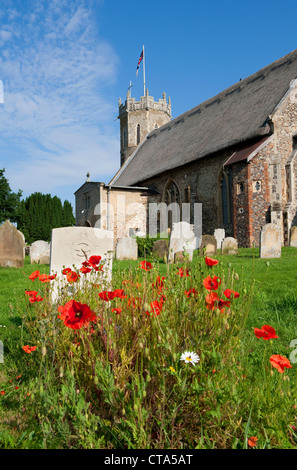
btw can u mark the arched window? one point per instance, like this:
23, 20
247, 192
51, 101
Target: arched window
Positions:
173, 201
225, 197
138, 134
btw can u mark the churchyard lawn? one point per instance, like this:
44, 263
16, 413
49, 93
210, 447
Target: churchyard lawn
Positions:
159, 362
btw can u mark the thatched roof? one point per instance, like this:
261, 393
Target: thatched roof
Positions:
236, 115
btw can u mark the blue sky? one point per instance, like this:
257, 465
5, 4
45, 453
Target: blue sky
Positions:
65, 63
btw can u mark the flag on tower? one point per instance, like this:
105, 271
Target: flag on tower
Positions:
140, 59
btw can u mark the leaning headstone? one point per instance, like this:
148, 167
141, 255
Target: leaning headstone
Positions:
270, 241
230, 246
208, 245
126, 248
219, 235
70, 247
12, 246
293, 236
182, 238
38, 249
160, 249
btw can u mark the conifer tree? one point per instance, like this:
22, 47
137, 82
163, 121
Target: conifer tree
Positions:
9, 201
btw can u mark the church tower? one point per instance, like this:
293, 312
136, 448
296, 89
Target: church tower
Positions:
138, 118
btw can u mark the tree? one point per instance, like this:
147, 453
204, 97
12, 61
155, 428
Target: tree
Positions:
9, 201
39, 213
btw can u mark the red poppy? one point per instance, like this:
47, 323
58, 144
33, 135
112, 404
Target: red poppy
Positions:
266, 332
106, 295
211, 261
72, 276
75, 314
85, 270
28, 349
252, 441
145, 265
35, 298
183, 273
213, 301
159, 284
116, 310
94, 260
212, 283
119, 293
280, 362
46, 277
66, 270
135, 302
231, 294
31, 293
2, 392
191, 291
156, 307
34, 275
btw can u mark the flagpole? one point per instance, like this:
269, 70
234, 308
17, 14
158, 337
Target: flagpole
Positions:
143, 72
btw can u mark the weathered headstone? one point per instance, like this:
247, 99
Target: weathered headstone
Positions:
160, 249
44, 259
208, 245
219, 235
71, 246
12, 246
182, 238
293, 236
181, 257
38, 249
270, 241
230, 246
126, 248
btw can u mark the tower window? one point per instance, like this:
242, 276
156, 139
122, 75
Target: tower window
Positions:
138, 134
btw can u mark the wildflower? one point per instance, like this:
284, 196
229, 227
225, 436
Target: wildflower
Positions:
266, 332
159, 284
182, 273
117, 310
16, 388
66, 271
212, 283
28, 349
46, 277
35, 298
190, 291
106, 295
145, 265
252, 441
156, 307
31, 292
213, 301
210, 261
172, 369
2, 392
85, 270
135, 302
231, 294
72, 276
75, 314
190, 357
119, 293
34, 275
280, 362
94, 260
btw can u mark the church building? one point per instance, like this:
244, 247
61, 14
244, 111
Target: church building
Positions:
235, 154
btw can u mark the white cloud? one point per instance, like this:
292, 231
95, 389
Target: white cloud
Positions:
56, 73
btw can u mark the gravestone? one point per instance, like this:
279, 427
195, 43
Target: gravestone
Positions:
293, 236
219, 235
160, 249
71, 246
39, 249
208, 245
181, 257
270, 241
182, 238
126, 248
230, 246
12, 246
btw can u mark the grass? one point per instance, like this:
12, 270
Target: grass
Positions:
121, 384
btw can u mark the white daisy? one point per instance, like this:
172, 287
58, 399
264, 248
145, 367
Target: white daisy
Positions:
190, 357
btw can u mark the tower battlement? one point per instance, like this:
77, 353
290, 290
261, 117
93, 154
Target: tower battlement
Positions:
138, 118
